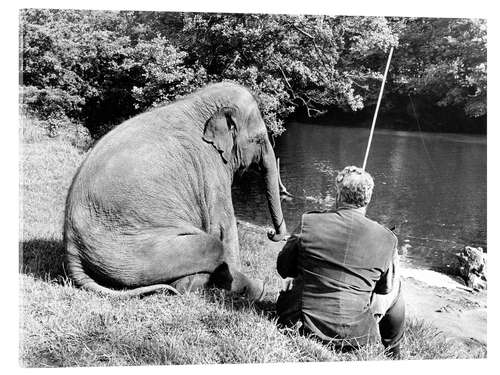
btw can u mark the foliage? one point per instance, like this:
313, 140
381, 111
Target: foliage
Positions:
288, 61
96, 66
101, 67
443, 59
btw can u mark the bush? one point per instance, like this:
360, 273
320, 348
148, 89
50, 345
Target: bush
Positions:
97, 67
34, 130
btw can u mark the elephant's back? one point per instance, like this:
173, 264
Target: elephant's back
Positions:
146, 173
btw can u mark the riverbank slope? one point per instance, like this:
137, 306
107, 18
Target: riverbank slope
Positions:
443, 302
61, 325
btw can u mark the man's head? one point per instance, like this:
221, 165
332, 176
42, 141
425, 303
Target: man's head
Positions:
354, 187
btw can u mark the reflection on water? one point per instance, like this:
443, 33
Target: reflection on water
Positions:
432, 187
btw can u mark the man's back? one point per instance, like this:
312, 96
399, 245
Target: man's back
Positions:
342, 257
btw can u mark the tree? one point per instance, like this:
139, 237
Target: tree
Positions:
443, 60
96, 66
102, 67
289, 61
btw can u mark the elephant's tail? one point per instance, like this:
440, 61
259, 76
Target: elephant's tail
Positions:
141, 291
84, 281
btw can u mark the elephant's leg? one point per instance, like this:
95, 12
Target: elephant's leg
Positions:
169, 257
254, 289
195, 261
231, 244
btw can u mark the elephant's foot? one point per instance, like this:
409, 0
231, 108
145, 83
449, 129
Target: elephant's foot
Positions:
228, 278
255, 291
191, 283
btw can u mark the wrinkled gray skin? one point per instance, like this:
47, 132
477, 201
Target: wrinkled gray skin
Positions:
150, 207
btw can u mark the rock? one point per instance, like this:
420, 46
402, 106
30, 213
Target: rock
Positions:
476, 282
472, 267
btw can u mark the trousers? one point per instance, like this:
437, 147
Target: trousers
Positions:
388, 311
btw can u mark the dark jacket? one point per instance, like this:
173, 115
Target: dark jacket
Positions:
339, 259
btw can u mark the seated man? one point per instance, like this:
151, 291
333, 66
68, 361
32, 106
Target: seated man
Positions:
344, 269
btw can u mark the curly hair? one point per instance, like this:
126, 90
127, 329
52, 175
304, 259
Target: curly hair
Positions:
354, 186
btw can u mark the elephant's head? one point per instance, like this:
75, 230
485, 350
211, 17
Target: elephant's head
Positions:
236, 129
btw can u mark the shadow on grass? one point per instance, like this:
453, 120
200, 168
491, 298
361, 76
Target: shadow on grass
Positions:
267, 308
43, 259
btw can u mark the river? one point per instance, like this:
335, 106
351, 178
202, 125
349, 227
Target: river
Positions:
430, 186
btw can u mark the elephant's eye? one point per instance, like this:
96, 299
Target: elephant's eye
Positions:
230, 122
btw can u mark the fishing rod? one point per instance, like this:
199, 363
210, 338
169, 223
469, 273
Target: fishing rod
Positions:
376, 109
285, 194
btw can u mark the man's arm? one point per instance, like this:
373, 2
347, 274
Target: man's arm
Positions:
386, 282
388, 279
287, 258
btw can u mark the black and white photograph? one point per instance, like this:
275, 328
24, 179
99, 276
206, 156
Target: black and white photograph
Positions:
246, 187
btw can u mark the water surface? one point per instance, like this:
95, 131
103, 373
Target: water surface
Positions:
431, 187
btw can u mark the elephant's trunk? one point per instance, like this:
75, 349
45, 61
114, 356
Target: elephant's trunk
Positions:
271, 180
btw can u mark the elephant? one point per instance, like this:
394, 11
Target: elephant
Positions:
150, 206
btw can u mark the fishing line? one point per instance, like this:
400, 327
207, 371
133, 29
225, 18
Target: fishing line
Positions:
420, 134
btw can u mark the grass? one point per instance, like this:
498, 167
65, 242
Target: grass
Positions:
65, 326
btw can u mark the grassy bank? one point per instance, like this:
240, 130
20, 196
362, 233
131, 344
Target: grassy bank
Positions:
65, 326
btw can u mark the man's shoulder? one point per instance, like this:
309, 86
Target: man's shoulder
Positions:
332, 216
315, 218
383, 229
317, 215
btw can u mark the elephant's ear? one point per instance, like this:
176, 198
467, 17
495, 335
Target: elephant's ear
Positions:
219, 131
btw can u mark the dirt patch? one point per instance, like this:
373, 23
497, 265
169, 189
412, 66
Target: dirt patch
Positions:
445, 303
